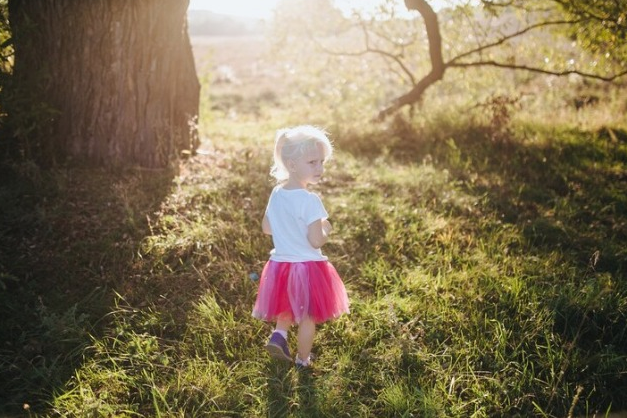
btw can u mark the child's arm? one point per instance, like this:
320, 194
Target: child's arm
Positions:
318, 232
265, 225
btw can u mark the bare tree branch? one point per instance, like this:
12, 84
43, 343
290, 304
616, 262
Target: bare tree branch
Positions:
492, 3
433, 32
536, 70
387, 38
506, 38
435, 53
476, 29
395, 57
369, 50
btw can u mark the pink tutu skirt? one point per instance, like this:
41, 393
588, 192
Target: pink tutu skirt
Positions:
310, 288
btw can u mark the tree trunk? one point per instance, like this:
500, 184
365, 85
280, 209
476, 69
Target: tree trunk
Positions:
109, 82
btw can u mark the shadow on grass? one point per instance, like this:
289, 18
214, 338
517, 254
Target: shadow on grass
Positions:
565, 188
308, 394
68, 241
280, 389
291, 392
564, 191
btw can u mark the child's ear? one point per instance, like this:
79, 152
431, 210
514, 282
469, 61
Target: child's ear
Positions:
291, 165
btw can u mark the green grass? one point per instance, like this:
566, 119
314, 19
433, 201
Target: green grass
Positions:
486, 278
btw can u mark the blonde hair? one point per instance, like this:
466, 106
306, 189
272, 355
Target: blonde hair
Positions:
293, 143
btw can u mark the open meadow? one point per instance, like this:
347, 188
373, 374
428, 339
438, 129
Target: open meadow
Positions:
483, 244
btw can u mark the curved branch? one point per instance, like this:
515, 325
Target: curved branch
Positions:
411, 97
433, 32
386, 38
491, 3
435, 53
506, 38
368, 50
395, 57
535, 69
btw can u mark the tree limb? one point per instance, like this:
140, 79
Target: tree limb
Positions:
511, 36
369, 50
535, 69
435, 53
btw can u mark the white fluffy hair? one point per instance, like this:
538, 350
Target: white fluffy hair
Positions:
293, 143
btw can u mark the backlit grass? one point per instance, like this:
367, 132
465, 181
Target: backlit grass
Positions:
486, 279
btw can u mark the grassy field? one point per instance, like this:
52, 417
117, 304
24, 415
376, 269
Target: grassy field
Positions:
485, 261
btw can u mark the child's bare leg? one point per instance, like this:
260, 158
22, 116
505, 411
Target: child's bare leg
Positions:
306, 332
284, 322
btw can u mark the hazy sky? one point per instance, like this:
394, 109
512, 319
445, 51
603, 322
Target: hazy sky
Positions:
263, 8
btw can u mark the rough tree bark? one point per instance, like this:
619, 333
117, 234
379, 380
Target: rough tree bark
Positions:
118, 75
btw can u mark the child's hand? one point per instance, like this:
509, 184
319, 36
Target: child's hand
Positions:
326, 227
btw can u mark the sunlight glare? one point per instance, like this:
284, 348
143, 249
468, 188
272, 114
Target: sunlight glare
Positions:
260, 9
263, 9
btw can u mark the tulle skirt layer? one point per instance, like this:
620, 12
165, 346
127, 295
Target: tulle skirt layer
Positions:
311, 288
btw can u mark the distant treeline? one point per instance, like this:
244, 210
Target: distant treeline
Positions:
205, 23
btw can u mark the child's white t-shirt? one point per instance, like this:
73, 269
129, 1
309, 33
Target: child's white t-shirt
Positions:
290, 213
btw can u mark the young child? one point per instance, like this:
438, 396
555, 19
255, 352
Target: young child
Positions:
298, 284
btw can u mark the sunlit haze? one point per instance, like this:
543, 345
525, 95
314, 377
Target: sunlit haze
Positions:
262, 9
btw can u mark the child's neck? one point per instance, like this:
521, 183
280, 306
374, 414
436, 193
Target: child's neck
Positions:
294, 185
